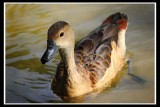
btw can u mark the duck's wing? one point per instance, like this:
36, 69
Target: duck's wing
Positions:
94, 51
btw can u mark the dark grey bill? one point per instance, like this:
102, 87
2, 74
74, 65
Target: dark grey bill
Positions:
50, 52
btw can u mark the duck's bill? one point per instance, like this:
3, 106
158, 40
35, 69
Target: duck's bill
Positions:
50, 52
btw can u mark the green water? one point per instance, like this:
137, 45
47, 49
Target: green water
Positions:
26, 25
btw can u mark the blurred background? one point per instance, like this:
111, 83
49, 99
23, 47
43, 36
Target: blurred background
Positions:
26, 25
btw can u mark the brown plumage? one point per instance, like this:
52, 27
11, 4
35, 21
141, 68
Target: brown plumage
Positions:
93, 62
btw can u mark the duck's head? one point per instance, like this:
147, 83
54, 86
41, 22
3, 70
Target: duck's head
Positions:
60, 35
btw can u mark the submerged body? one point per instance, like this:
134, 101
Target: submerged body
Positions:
93, 62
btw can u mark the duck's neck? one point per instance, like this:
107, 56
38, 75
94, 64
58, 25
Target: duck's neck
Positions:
76, 84
67, 55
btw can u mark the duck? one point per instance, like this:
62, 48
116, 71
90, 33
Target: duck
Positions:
90, 64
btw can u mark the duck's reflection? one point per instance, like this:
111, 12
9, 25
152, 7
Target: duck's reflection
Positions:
80, 99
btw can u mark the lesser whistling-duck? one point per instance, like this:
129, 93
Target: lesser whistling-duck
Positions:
90, 64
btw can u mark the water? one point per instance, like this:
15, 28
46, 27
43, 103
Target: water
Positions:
28, 81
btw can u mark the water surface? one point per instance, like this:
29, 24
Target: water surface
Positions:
28, 81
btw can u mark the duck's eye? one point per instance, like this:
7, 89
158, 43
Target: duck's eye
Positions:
61, 34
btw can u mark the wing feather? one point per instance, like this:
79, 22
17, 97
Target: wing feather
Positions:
94, 51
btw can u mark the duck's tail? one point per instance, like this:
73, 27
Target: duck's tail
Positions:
117, 18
